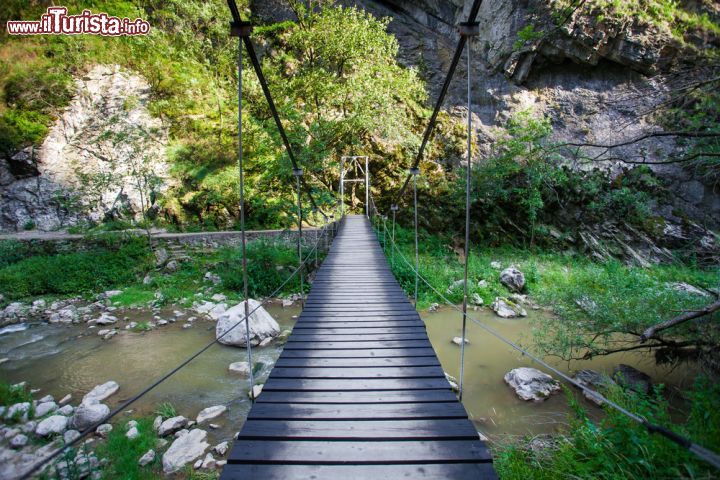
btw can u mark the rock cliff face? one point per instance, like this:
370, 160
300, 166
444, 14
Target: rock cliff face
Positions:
102, 157
591, 77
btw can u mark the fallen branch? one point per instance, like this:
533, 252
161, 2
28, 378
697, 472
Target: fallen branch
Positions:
652, 331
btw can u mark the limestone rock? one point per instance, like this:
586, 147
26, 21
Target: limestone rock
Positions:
632, 378
70, 436
44, 408
184, 450
513, 279
262, 325
52, 425
507, 309
221, 448
101, 392
210, 413
103, 430
240, 368
531, 383
88, 414
147, 458
592, 380
459, 340
172, 425
19, 441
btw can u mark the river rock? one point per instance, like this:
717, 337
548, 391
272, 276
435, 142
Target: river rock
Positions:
208, 462
132, 433
459, 340
103, 430
66, 410
632, 378
147, 458
184, 450
172, 266
64, 315
218, 297
496, 265
172, 425
157, 422
88, 414
241, 368
456, 284
592, 379
18, 411
217, 311
255, 392
221, 448
47, 398
65, 399
101, 392
513, 279
433, 307
112, 293
44, 408
105, 319
210, 413
19, 441
52, 425
476, 299
262, 325
70, 436
507, 309
531, 383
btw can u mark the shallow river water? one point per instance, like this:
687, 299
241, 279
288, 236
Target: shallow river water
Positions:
63, 359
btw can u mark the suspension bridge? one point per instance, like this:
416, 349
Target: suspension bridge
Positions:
358, 391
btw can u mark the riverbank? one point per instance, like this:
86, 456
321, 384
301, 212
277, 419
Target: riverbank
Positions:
582, 315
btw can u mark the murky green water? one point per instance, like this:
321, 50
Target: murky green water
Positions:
493, 406
73, 359
62, 359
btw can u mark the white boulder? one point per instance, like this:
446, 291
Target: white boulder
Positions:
531, 383
147, 458
184, 450
172, 425
507, 309
513, 279
231, 324
210, 413
89, 414
101, 392
240, 368
52, 425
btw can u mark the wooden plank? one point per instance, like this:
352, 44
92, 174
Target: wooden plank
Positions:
428, 361
394, 429
358, 353
300, 336
391, 396
293, 345
357, 372
448, 471
319, 384
367, 453
357, 411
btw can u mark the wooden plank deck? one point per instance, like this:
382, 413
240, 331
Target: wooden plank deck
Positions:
358, 392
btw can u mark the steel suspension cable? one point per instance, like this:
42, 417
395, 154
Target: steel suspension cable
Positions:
415, 172
441, 99
701, 452
467, 31
251, 376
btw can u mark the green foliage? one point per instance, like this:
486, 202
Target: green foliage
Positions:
110, 262
123, 453
12, 251
527, 34
269, 265
166, 410
142, 327
617, 447
10, 395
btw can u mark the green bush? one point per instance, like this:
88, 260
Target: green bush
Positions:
109, 262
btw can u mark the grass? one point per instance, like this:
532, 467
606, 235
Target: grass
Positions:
10, 395
142, 327
617, 447
166, 410
123, 453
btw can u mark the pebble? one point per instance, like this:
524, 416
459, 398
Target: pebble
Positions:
147, 458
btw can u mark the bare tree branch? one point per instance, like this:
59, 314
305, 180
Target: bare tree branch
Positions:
652, 331
644, 137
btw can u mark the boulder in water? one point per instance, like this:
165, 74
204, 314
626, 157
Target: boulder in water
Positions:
531, 383
231, 328
632, 378
507, 309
